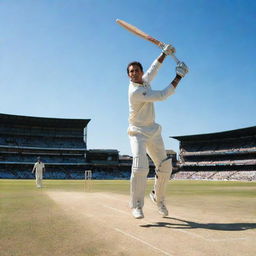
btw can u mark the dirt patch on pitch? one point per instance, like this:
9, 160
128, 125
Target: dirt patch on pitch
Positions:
107, 219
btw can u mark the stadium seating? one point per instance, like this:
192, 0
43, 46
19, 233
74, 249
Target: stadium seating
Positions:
59, 142
229, 155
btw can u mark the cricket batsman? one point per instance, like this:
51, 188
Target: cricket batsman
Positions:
39, 168
145, 134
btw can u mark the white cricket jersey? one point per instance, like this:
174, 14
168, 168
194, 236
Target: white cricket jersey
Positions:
141, 99
39, 166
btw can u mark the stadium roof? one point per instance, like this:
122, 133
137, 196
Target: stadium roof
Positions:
244, 132
43, 121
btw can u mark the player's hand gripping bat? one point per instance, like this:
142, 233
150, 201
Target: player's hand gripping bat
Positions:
145, 36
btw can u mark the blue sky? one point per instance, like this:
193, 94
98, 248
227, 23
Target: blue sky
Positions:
68, 58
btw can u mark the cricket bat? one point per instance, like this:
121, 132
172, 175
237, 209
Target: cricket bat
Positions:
143, 35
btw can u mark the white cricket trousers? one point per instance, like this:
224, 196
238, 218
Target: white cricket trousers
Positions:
39, 177
141, 145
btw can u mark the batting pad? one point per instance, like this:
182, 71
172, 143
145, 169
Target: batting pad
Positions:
161, 180
165, 166
137, 187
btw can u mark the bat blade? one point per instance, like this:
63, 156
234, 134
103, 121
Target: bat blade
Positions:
138, 32
143, 35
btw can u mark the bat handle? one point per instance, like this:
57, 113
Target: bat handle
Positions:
175, 58
162, 45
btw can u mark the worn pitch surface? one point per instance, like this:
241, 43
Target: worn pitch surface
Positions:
182, 233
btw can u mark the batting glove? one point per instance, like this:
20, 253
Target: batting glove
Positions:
181, 69
168, 49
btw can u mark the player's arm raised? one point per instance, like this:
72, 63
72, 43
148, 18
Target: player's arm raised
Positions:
152, 71
145, 95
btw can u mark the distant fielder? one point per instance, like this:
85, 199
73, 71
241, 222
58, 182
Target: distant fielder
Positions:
39, 169
145, 135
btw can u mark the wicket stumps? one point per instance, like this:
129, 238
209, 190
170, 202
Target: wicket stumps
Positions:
87, 180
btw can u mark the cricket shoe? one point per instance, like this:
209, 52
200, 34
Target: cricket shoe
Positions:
160, 205
137, 213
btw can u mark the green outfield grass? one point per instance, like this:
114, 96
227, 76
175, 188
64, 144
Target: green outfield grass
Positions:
32, 224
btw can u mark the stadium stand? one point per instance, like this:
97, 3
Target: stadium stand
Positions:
61, 144
228, 155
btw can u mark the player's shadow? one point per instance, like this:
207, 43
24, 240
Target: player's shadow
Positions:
185, 224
